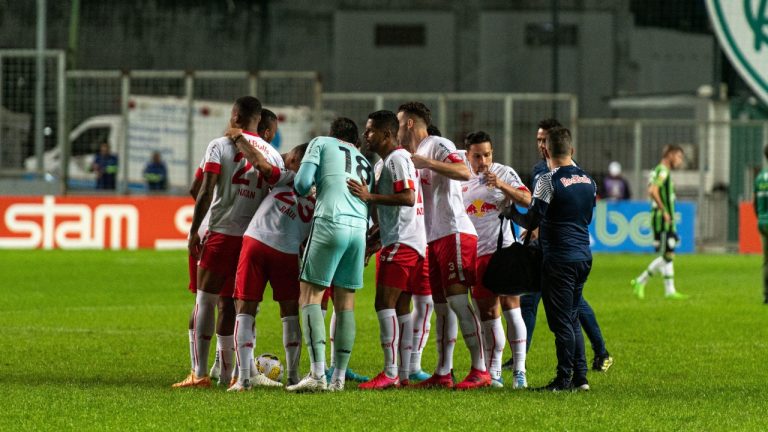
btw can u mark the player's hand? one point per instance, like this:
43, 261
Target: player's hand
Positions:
370, 250
491, 181
359, 190
667, 217
233, 133
420, 162
194, 245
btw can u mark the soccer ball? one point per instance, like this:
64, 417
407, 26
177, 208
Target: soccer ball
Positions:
269, 365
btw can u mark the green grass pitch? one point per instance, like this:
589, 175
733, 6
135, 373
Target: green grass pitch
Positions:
93, 340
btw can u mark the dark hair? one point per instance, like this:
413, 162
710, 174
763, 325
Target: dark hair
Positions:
248, 107
267, 118
433, 130
344, 129
559, 142
301, 149
549, 123
671, 148
765, 151
417, 109
385, 120
477, 138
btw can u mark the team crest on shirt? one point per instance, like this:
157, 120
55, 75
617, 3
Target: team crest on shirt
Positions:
480, 208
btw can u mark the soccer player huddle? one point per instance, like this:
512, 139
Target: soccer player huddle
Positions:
308, 222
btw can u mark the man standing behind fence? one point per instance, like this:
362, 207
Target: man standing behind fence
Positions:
761, 210
105, 167
662, 193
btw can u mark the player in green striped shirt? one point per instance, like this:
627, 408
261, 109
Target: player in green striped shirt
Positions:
662, 193
761, 210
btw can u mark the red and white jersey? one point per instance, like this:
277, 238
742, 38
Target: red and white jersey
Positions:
483, 206
283, 220
240, 188
400, 224
444, 212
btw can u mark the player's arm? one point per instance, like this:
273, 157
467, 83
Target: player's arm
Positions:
454, 170
653, 192
405, 197
305, 178
529, 221
202, 204
194, 188
517, 194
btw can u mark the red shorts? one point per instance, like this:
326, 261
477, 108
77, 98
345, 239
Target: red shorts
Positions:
220, 253
400, 266
479, 291
259, 264
229, 285
452, 261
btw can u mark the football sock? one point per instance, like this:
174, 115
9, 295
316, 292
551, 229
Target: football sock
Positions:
225, 350
470, 328
192, 350
345, 339
516, 335
205, 322
447, 331
421, 316
654, 268
313, 329
493, 334
669, 278
245, 334
389, 336
332, 334
292, 345
405, 344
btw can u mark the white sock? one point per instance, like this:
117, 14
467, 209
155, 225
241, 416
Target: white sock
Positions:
447, 331
332, 335
405, 344
668, 271
655, 267
421, 317
389, 336
292, 345
225, 350
192, 350
339, 375
204, 323
245, 334
493, 335
516, 335
470, 328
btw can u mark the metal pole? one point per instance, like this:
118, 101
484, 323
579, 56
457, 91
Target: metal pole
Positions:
1, 110
125, 94
703, 149
508, 114
318, 94
638, 156
442, 110
62, 132
555, 53
40, 87
74, 33
189, 91
252, 84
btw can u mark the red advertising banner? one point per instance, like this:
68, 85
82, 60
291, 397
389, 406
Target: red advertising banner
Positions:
749, 236
50, 222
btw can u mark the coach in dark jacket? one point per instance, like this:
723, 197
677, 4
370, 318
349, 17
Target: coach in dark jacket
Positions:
562, 206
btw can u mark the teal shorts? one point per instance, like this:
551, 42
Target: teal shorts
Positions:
335, 253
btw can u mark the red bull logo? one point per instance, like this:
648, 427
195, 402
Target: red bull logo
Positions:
480, 208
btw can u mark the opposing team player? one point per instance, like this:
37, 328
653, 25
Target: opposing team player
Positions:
232, 190
452, 241
335, 249
491, 187
400, 266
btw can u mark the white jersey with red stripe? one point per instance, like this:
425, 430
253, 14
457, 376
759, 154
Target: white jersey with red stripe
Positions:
240, 188
483, 206
444, 212
400, 224
283, 219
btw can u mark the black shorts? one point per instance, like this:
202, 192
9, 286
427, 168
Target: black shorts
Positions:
665, 241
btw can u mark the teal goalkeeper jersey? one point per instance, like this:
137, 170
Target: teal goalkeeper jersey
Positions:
337, 161
761, 198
